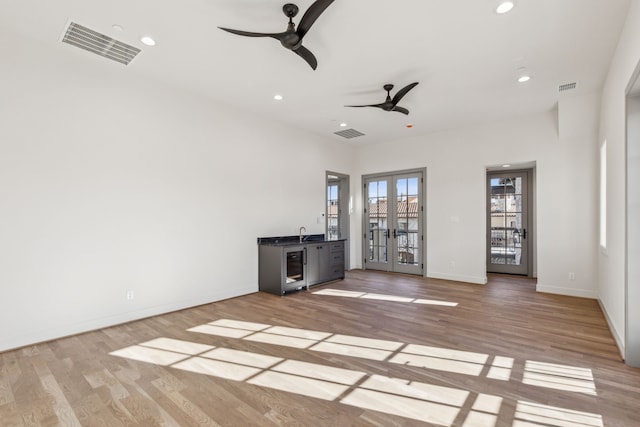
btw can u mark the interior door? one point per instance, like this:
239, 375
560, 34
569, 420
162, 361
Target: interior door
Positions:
507, 222
393, 238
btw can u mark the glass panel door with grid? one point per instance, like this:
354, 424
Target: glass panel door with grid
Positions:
393, 223
507, 248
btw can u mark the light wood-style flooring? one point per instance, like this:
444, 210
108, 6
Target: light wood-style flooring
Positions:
376, 349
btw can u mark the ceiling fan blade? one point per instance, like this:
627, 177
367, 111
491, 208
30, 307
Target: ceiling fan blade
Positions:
402, 92
311, 15
372, 105
400, 110
250, 34
306, 54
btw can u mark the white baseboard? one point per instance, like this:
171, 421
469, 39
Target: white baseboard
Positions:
616, 336
43, 335
581, 293
458, 278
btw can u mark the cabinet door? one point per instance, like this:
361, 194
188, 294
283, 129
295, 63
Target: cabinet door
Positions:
318, 263
336, 260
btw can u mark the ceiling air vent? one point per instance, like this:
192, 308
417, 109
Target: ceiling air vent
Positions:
100, 44
567, 86
349, 133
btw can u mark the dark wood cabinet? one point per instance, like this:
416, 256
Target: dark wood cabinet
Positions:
325, 262
317, 263
285, 268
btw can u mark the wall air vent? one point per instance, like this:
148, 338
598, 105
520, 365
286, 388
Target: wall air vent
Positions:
567, 86
100, 44
349, 133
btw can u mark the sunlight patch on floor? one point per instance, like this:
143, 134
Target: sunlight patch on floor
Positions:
299, 333
484, 412
229, 364
501, 368
382, 297
162, 351
559, 377
540, 374
281, 340
425, 402
299, 385
535, 415
402, 406
217, 368
405, 398
177, 346
441, 359
221, 331
366, 348
243, 357
352, 351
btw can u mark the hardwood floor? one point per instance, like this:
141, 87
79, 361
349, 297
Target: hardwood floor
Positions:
375, 349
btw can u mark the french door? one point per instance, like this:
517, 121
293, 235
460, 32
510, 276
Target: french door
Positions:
507, 222
393, 222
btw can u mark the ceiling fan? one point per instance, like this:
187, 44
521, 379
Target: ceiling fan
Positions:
292, 38
391, 104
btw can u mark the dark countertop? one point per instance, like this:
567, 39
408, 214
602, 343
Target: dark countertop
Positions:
294, 240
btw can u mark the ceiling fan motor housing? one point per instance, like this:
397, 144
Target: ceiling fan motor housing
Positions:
290, 10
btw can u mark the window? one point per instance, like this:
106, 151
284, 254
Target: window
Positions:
603, 195
333, 208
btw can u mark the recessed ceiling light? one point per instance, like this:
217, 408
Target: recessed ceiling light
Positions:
505, 7
524, 78
409, 125
343, 125
506, 166
117, 27
148, 41
278, 97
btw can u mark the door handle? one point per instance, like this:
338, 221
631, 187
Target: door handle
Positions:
395, 235
388, 233
524, 233
304, 262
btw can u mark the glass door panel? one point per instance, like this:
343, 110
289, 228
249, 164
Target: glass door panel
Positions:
377, 222
333, 209
507, 223
407, 242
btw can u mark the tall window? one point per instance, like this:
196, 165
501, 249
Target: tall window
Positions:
603, 195
333, 210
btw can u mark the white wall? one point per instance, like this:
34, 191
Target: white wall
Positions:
456, 164
110, 183
611, 277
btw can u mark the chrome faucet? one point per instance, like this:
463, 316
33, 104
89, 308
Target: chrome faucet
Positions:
301, 230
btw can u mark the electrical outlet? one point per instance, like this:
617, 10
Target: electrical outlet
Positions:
129, 295
452, 265
572, 276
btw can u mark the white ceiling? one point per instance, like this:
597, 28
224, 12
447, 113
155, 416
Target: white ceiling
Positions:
465, 56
